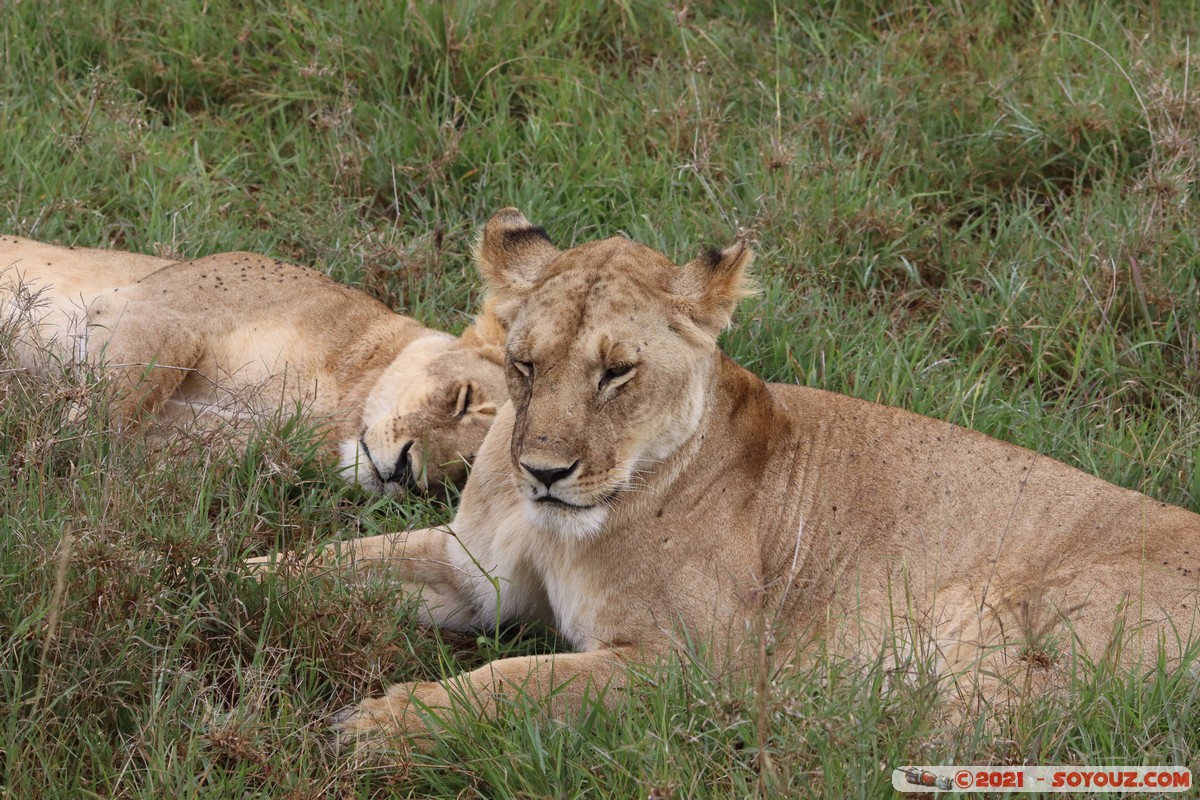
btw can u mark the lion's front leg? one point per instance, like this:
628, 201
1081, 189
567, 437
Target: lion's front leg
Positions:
407, 555
419, 562
559, 683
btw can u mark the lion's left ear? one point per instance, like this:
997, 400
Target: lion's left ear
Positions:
511, 254
712, 285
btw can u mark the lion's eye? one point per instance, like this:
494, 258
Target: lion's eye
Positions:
465, 395
523, 367
614, 374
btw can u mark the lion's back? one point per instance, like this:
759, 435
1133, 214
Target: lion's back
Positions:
45, 291
953, 513
235, 288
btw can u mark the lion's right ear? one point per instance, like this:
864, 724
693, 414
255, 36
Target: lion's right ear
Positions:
511, 254
711, 286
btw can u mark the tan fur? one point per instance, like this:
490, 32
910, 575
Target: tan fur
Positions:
234, 340
45, 291
690, 497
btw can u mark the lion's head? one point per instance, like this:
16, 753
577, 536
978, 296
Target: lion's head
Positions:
427, 414
609, 355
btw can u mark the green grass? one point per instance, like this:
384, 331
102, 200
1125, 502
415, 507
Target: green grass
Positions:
984, 212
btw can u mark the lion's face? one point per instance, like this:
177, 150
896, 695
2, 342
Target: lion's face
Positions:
608, 360
425, 417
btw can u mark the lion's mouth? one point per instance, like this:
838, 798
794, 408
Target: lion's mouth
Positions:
557, 502
554, 502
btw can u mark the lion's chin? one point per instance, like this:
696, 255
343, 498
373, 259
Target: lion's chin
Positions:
568, 521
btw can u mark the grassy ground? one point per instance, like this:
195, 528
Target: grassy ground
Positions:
981, 211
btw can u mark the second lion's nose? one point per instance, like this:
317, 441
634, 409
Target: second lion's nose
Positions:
401, 469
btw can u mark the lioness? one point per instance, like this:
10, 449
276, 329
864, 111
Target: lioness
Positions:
640, 486
238, 338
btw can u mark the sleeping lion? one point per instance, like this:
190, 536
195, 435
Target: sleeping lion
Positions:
641, 490
233, 340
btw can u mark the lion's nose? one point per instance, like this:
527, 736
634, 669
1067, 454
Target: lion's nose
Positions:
401, 470
549, 476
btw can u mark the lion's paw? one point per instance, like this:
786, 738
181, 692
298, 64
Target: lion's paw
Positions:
403, 718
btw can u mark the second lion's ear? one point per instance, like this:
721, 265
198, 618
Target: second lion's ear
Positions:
487, 333
511, 254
